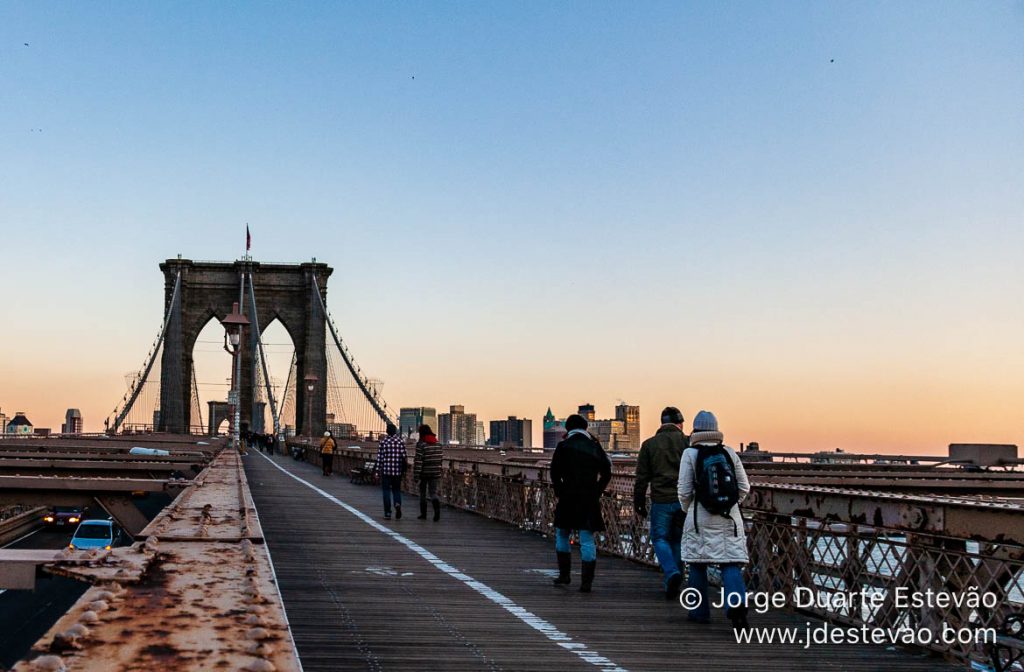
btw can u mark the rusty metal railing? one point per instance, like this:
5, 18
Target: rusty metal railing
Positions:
855, 556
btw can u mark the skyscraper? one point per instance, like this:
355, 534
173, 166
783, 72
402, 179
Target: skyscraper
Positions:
587, 411
72, 422
630, 417
410, 419
457, 426
514, 432
554, 430
611, 434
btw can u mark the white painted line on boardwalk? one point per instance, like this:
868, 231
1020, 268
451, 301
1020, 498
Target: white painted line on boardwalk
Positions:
536, 622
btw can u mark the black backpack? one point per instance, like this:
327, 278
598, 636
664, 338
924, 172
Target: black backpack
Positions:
715, 481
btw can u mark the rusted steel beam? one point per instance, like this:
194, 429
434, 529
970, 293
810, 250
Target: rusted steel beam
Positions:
10, 484
871, 471
40, 467
47, 498
123, 510
959, 486
18, 566
119, 456
974, 519
197, 594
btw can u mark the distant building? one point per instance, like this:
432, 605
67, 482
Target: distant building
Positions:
513, 433
410, 419
549, 418
40, 431
630, 417
554, 430
481, 437
72, 422
343, 430
19, 425
621, 434
457, 426
499, 432
3, 422
553, 435
444, 428
611, 434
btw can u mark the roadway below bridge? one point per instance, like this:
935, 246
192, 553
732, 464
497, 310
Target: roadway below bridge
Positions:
25, 615
470, 593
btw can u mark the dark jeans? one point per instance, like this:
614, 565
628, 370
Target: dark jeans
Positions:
328, 461
391, 487
428, 486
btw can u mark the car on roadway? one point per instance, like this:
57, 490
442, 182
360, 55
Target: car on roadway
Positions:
63, 516
102, 534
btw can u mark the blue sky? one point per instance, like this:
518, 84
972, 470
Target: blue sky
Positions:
541, 203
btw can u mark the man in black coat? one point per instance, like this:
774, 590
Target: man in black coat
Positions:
580, 471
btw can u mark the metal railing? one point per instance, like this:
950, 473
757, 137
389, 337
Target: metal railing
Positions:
856, 557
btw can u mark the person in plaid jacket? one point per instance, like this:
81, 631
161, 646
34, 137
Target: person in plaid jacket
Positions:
391, 465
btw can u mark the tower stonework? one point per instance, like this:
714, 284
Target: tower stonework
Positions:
208, 290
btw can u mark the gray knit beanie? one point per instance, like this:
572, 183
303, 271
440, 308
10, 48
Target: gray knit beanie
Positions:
705, 421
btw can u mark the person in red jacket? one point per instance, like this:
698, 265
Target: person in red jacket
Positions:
426, 470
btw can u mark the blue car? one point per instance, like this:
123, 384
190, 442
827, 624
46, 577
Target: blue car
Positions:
96, 534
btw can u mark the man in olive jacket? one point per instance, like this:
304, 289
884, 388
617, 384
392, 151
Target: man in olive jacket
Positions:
658, 466
580, 471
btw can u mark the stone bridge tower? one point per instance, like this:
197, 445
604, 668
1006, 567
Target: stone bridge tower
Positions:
208, 289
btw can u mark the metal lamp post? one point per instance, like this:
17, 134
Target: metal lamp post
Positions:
310, 381
233, 325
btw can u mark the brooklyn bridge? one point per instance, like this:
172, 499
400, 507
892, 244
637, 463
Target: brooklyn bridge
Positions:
242, 555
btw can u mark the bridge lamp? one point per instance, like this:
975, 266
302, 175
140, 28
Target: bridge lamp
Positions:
233, 325
311, 381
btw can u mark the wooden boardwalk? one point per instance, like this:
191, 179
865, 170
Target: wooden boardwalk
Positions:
469, 593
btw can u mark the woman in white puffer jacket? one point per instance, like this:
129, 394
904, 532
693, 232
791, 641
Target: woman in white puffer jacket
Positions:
710, 538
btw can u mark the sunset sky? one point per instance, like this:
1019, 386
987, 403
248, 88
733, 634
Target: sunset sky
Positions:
806, 217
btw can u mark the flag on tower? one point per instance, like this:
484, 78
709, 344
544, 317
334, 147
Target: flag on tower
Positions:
248, 238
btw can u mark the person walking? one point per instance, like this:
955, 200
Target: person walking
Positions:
712, 485
391, 465
657, 466
327, 453
580, 471
426, 470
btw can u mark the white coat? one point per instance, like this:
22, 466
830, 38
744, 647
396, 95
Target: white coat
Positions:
714, 539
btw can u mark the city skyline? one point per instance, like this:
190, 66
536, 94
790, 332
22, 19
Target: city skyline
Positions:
806, 219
